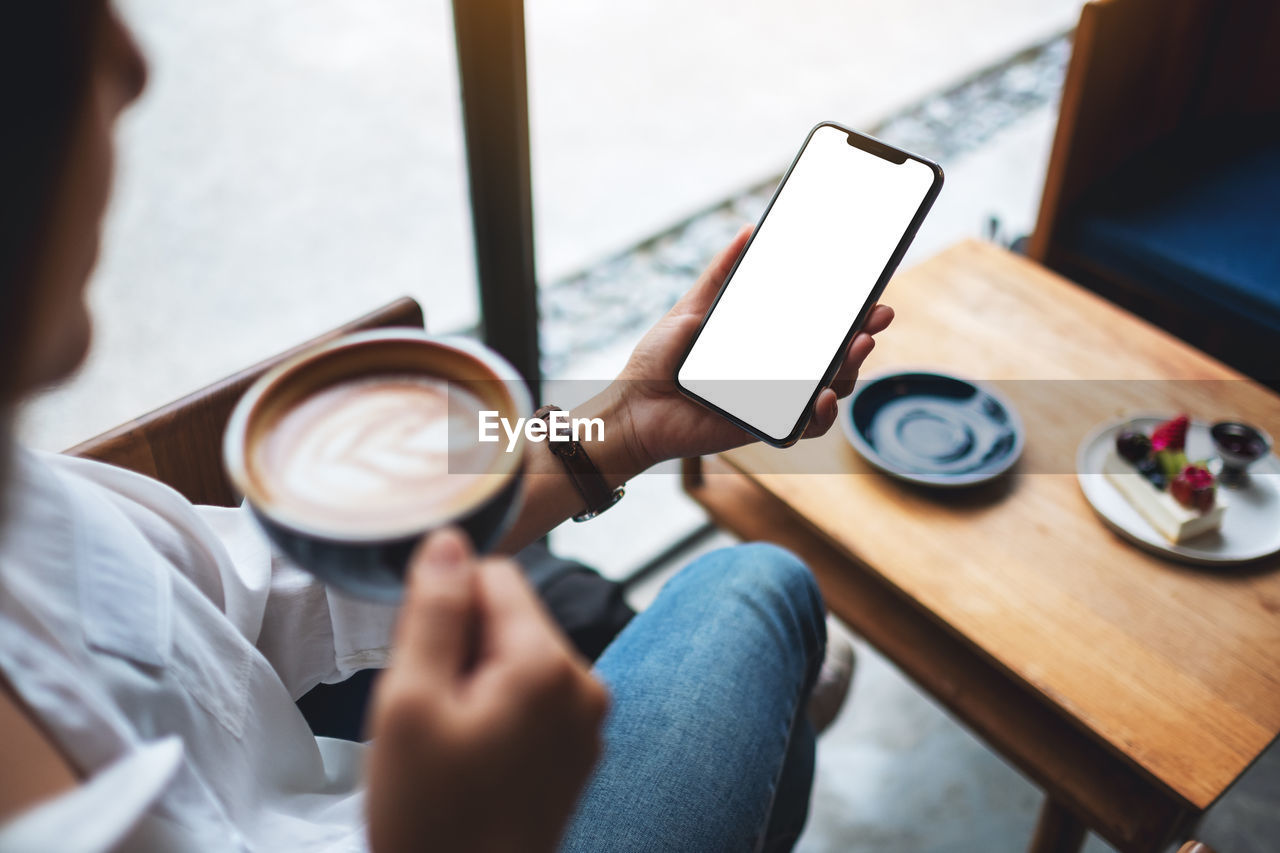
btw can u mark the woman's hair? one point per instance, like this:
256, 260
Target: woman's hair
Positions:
46, 49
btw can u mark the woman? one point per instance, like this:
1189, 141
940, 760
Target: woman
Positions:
151, 651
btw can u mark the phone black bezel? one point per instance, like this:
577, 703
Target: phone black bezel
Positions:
872, 146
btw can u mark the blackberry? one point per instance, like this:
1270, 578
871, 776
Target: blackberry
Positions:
1133, 446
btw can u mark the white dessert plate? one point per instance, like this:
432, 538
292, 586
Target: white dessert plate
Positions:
1250, 527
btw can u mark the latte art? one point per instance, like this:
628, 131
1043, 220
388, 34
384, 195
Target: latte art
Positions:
374, 453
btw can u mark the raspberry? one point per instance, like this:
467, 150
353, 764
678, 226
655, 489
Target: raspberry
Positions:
1171, 435
1194, 488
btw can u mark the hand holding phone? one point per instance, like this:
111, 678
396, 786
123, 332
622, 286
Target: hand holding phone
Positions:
659, 422
779, 328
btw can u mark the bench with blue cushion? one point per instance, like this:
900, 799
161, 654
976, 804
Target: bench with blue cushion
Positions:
1193, 224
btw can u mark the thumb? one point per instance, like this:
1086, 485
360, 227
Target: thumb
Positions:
438, 623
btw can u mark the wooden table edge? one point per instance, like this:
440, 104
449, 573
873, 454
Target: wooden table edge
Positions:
1122, 802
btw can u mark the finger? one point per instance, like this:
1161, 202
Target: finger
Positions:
825, 410
514, 617
524, 646
879, 319
704, 290
437, 627
859, 348
847, 376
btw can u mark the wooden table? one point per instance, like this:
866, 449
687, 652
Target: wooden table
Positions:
1131, 689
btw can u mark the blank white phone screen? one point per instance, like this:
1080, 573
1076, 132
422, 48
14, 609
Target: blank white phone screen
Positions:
808, 272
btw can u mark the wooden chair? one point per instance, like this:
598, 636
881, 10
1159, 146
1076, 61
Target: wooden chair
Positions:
181, 444
1140, 70
1159, 100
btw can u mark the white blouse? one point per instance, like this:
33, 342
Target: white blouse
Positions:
163, 646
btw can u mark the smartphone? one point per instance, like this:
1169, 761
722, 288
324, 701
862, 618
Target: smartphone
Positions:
821, 255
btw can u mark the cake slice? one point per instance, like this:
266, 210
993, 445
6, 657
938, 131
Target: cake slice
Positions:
1176, 522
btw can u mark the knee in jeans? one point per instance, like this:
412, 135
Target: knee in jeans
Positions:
762, 572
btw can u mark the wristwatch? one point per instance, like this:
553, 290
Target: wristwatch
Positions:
586, 477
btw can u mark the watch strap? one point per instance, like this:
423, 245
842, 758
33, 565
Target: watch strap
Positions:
583, 473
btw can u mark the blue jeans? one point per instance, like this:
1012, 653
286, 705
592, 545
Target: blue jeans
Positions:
707, 746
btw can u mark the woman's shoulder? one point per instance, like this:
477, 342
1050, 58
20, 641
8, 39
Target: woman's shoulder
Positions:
79, 473
90, 523
76, 571
123, 505
41, 479
79, 535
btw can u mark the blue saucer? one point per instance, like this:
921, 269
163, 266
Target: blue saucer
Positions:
933, 429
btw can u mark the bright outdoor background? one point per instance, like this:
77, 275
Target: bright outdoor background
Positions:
298, 162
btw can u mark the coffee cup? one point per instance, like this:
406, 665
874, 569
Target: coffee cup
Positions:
350, 453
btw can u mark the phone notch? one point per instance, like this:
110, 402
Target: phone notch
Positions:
878, 148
